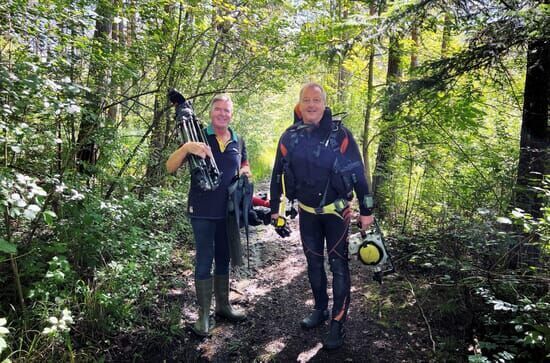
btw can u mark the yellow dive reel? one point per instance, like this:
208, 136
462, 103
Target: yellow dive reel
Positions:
371, 250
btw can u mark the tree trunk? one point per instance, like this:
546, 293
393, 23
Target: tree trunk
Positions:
414, 50
368, 109
535, 134
154, 174
388, 138
445, 41
118, 38
88, 149
343, 74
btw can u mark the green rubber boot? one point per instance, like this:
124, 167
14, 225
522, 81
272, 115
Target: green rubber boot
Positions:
223, 308
204, 324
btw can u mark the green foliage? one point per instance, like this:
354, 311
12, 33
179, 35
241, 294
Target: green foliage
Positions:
474, 287
515, 331
452, 175
261, 121
106, 258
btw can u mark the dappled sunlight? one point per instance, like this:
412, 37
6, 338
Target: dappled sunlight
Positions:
307, 355
271, 349
272, 277
189, 313
275, 275
275, 265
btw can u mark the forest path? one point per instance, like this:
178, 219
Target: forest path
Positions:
383, 324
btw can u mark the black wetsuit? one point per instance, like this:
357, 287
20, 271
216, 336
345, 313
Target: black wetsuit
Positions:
321, 164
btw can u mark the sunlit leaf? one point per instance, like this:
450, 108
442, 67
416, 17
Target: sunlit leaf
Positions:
31, 211
7, 247
504, 220
49, 217
15, 148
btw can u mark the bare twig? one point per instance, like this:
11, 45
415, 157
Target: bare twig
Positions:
423, 315
129, 98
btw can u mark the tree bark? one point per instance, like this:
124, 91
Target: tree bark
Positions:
388, 138
534, 155
368, 108
155, 172
414, 50
88, 149
446, 40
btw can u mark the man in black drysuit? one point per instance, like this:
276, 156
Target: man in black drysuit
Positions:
318, 163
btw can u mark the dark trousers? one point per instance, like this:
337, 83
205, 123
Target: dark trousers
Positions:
314, 230
211, 244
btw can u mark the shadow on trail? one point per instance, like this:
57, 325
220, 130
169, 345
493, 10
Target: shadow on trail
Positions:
276, 295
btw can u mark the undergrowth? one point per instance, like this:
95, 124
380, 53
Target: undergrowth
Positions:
94, 275
487, 296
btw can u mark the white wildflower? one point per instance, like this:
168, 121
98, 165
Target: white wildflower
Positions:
73, 108
3, 331
61, 324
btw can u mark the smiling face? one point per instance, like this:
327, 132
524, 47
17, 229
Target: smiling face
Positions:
221, 113
312, 104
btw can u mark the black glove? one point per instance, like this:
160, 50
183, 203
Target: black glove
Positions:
263, 214
253, 218
292, 213
281, 227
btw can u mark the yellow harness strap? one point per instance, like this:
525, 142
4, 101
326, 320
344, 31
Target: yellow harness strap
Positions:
327, 209
282, 205
281, 221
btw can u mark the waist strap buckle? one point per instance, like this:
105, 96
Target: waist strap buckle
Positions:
340, 205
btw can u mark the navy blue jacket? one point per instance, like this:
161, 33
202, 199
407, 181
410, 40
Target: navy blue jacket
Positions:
213, 204
312, 160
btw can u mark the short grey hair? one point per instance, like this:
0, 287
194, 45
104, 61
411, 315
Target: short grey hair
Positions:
313, 85
221, 97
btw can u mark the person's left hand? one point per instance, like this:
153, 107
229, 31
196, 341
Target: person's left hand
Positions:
245, 170
366, 222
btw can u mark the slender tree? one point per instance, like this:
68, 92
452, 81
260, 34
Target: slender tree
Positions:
534, 157
370, 91
98, 88
388, 138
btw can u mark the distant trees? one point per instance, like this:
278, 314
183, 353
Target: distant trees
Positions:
491, 42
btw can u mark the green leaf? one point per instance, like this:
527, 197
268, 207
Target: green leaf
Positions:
477, 359
7, 247
15, 212
49, 216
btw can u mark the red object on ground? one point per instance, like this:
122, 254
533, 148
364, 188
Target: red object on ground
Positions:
256, 201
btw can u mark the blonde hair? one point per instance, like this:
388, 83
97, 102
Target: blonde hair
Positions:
314, 85
221, 97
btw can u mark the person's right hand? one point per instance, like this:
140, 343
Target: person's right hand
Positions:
198, 148
365, 222
280, 225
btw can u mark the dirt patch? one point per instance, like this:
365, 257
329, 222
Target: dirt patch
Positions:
383, 325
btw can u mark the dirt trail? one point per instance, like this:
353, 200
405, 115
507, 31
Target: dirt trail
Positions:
383, 324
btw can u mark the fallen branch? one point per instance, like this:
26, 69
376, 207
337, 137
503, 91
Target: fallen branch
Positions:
423, 315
